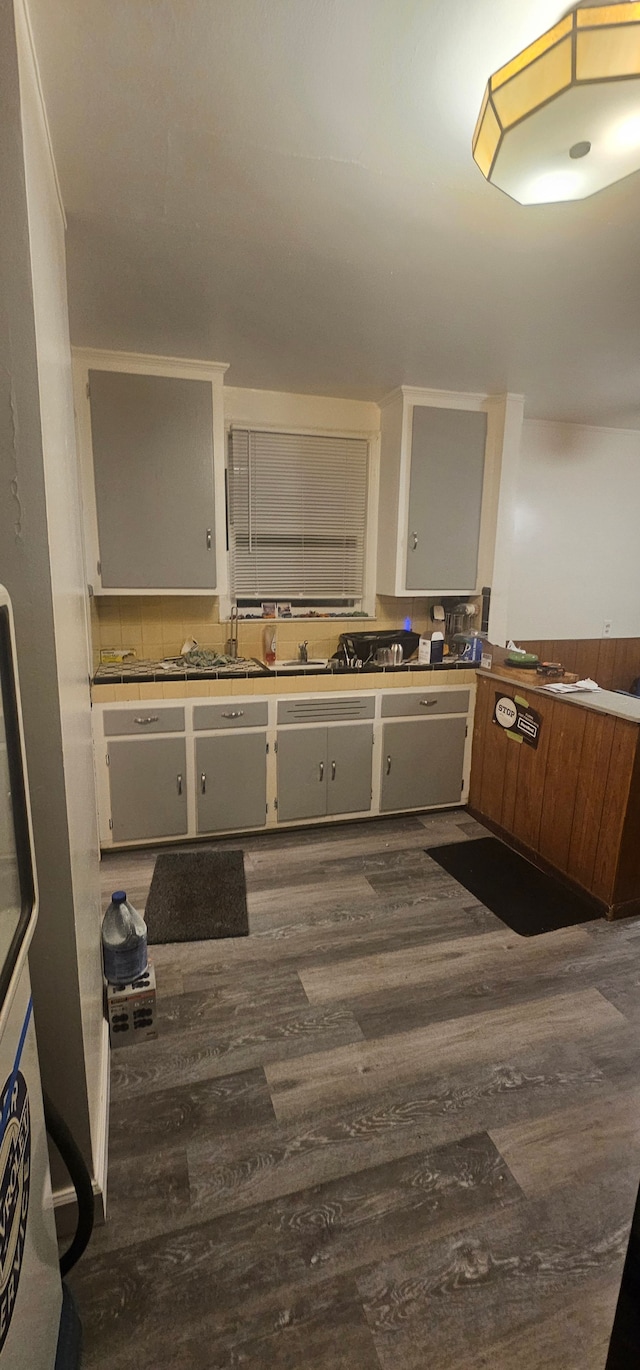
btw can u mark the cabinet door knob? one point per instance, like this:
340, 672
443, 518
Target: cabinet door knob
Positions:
203, 783
388, 765
149, 718
427, 703
179, 783
208, 539
321, 770
414, 541
333, 770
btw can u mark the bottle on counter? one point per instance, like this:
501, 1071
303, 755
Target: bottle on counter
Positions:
124, 941
269, 643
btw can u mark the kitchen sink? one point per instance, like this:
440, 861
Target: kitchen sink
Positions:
314, 664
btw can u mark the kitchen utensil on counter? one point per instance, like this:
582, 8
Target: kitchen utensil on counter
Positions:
384, 656
459, 620
397, 654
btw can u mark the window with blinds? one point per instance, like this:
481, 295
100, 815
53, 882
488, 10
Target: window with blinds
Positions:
297, 515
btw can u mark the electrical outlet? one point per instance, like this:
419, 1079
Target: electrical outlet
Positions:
606, 628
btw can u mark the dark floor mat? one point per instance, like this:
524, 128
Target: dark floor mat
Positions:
526, 899
195, 896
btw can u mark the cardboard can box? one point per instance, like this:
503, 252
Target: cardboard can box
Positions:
131, 1010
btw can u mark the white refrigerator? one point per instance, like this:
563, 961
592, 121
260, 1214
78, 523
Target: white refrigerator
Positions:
30, 1286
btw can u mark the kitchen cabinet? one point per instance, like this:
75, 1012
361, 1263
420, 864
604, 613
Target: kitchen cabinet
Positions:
152, 456
422, 763
170, 770
445, 498
439, 473
152, 440
147, 787
231, 781
324, 771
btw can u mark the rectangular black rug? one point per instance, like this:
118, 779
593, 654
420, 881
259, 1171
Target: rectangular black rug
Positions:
197, 895
525, 898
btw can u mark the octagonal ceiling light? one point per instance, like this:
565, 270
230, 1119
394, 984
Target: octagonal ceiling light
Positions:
562, 119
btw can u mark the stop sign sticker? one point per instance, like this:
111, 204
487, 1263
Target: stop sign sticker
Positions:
506, 712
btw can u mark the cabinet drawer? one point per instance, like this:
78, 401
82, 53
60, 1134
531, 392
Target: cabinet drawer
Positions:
145, 719
425, 704
230, 715
326, 710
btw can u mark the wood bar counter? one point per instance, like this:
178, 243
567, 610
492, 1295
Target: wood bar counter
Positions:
571, 804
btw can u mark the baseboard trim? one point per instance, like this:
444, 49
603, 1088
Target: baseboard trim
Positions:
101, 1139
64, 1198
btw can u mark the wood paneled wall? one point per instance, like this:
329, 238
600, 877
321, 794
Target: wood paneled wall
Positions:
614, 662
574, 803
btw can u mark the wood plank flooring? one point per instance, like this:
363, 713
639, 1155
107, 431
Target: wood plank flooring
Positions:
382, 1131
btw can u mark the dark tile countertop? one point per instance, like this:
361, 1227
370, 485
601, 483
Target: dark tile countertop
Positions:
154, 672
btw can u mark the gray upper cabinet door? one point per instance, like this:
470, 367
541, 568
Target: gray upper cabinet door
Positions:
231, 776
349, 759
148, 792
445, 498
422, 764
152, 439
302, 773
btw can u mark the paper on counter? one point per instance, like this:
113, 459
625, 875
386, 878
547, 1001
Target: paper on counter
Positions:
580, 687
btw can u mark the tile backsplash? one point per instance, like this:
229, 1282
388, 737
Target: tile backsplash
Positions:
156, 626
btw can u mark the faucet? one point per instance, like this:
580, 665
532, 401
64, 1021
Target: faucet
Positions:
303, 651
232, 640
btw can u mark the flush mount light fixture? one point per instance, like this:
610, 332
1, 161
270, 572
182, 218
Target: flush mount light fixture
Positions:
562, 119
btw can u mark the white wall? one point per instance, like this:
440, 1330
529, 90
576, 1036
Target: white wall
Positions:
576, 550
65, 959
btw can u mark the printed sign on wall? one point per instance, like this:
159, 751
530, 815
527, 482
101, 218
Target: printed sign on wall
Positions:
518, 720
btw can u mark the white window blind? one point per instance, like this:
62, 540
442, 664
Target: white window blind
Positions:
297, 514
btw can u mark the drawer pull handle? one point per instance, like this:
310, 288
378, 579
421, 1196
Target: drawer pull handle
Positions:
150, 718
208, 539
414, 542
321, 769
388, 765
428, 703
333, 770
179, 783
234, 713
203, 783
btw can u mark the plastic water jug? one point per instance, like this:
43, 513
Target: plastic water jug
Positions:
124, 941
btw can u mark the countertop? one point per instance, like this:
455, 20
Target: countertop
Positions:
153, 672
119, 686
601, 701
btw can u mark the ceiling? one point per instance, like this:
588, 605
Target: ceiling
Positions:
287, 186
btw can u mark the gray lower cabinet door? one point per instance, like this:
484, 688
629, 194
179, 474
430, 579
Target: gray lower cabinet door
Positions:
148, 790
422, 763
231, 779
302, 773
349, 757
152, 440
445, 498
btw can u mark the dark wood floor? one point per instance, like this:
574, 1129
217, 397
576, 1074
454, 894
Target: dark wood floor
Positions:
382, 1131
